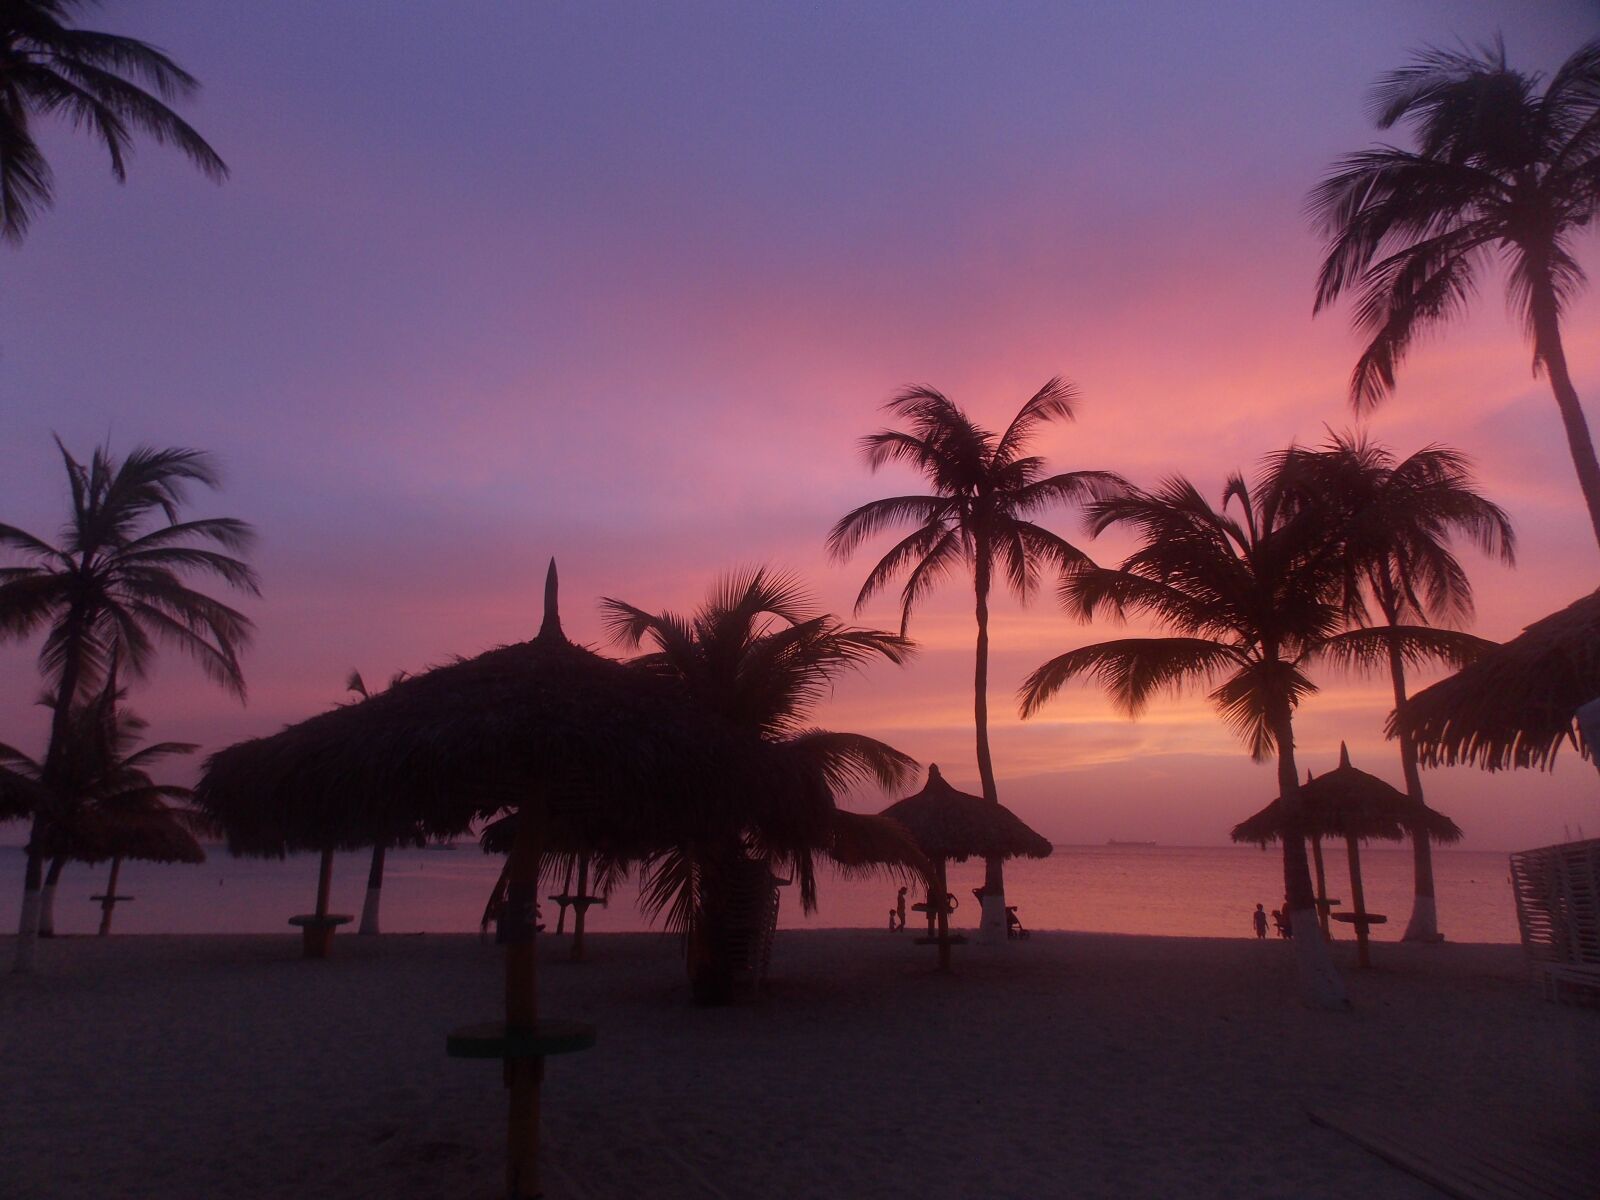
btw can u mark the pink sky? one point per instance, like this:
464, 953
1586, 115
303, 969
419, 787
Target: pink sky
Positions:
624, 287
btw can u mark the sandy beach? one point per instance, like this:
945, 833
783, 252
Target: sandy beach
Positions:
1070, 1065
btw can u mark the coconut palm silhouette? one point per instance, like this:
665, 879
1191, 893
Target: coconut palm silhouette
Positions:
114, 587
1501, 169
98, 82
986, 490
1402, 516
1255, 599
758, 655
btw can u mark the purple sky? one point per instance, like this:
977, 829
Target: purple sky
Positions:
624, 283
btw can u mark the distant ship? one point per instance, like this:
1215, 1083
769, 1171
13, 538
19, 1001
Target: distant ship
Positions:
1115, 842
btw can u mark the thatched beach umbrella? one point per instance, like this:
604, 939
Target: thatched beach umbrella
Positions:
857, 844
949, 824
1349, 803
564, 847
1514, 706
148, 830
544, 726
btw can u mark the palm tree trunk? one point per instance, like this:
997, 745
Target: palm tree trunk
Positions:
1322, 885
47, 899
369, 909
523, 1076
28, 925
992, 923
1320, 985
1424, 923
33, 873
1548, 350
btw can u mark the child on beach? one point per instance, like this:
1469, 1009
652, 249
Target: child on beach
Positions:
1261, 922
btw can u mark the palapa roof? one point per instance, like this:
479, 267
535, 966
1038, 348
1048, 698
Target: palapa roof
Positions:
1347, 801
149, 830
143, 828
615, 753
948, 824
1514, 706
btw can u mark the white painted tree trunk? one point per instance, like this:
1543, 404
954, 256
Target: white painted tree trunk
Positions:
992, 922
1424, 923
27, 931
47, 911
1320, 985
369, 911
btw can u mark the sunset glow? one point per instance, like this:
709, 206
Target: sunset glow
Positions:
626, 293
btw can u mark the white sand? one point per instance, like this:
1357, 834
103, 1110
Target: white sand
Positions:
1070, 1065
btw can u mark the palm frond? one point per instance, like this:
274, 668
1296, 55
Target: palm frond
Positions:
1370, 649
1132, 670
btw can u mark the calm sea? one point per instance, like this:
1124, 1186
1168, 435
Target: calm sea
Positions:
1182, 891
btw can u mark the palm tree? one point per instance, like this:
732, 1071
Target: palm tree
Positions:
369, 908
986, 490
758, 655
1254, 599
97, 81
112, 589
106, 777
1401, 517
1500, 169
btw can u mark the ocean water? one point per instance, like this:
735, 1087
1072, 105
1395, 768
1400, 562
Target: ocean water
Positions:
1175, 891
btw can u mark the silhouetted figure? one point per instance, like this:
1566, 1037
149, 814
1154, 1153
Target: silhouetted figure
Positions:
899, 910
1261, 922
1014, 926
1281, 920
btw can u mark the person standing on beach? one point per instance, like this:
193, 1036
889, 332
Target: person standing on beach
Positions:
899, 910
1261, 922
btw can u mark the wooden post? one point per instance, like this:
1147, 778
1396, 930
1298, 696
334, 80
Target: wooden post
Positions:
944, 920
522, 1075
1357, 899
566, 890
109, 902
580, 908
1322, 884
324, 882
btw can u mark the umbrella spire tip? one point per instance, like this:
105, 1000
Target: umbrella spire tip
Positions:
933, 771
1344, 755
552, 614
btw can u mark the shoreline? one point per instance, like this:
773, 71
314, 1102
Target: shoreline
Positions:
1070, 1064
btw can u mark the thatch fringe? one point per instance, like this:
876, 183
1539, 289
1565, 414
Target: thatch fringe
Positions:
1514, 706
949, 824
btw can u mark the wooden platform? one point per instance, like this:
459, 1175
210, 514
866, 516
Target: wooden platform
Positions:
1486, 1157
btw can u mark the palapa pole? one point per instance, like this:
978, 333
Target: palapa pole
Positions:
1357, 899
324, 882
580, 907
523, 1076
944, 920
108, 902
369, 907
566, 890
1322, 884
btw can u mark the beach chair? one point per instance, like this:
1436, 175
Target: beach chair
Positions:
1557, 890
1014, 925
